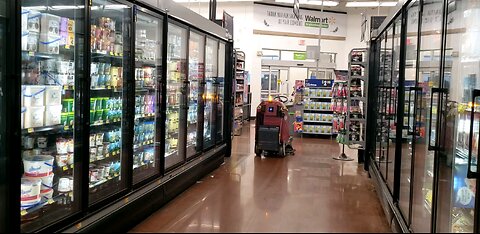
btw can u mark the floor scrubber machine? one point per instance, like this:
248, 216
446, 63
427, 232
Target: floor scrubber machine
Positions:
272, 133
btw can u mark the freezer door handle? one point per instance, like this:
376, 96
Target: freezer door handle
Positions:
440, 92
412, 91
473, 173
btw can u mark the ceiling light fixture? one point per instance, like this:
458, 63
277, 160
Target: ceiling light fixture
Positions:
370, 4
192, 1
311, 2
319, 2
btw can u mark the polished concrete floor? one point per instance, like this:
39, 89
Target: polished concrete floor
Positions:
306, 192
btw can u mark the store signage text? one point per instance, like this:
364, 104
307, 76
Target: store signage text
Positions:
281, 19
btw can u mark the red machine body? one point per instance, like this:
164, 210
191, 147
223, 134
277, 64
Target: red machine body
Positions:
271, 127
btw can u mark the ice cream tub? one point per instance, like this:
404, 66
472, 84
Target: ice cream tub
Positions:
46, 194
46, 181
29, 192
38, 165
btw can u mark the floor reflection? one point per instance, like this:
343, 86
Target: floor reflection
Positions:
307, 192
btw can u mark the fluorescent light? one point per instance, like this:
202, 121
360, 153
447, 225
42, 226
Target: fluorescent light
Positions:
370, 4
187, 1
319, 2
311, 2
388, 4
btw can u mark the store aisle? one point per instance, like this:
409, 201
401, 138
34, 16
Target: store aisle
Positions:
307, 192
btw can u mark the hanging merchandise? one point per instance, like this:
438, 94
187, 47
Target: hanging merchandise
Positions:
356, 99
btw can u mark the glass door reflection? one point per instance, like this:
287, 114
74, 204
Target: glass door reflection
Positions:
209, 97
176, 76
148, 64
195, 76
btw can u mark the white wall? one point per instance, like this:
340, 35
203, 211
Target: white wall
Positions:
250, 43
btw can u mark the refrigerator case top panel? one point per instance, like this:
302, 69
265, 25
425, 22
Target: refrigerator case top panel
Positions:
176, 77
210, 96
50, 58
196, 74
462, 78
148, 67
109, 72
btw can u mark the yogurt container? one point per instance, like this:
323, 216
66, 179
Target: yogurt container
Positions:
38, 165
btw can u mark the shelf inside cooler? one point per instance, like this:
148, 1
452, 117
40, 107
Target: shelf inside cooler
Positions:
106, 122
41, 55
144, 116
110, 178
54, 128
136, 166
108, 157
105, 54
171, 153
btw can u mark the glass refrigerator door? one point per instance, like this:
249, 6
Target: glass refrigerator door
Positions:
176, 75
110, 24
195, 76
220, 83
210, 95
148, 67
426, 114
409, 111
394, 46
458, 193
383, 112
50, 60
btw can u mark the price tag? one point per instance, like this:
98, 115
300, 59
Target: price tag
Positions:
107, 155
111, 53
67, 46
50, 201
65, 87
109, 87
31, 53
30, 130
114, 153
66, 128
65, 168
107, 121
71, 166
23, 212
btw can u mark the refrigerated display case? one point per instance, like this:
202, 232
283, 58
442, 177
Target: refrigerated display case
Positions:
196, 73
94, 100
210, 95
175, 100
50, 60
110, 53
434, 186
148, 76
